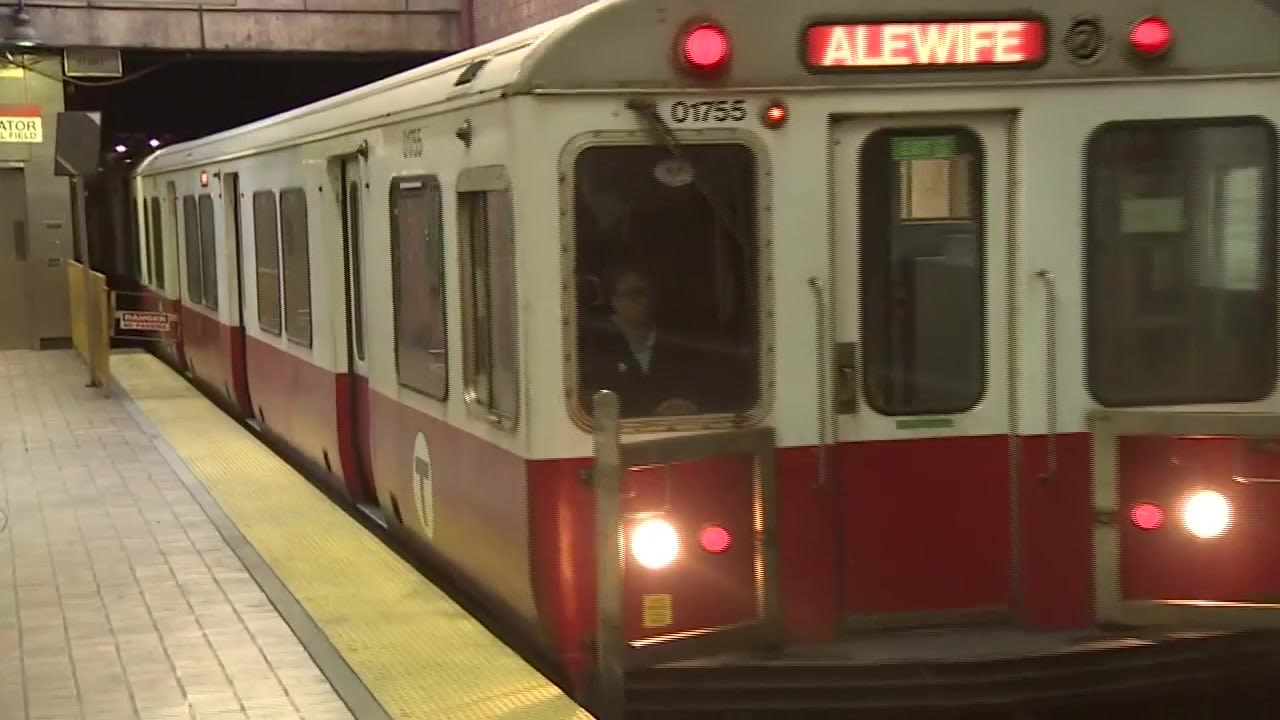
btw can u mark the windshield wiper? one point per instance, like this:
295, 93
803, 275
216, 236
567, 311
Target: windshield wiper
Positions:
652, 120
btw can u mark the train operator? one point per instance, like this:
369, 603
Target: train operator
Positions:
629, 354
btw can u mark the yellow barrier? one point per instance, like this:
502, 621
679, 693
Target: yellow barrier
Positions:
80, 329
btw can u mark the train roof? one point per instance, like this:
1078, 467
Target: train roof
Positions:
581, 51
415, 88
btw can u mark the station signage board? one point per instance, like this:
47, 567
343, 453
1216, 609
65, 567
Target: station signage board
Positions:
21, 124
893, 45
145, 320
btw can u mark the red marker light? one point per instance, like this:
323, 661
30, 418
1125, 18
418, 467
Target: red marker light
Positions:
1147, 516
715, 539
705, 47
774, 115
1151, 36
204, 178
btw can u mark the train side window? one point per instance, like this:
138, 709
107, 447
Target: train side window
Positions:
144, 248
173, 225
266, 249
920, 245
1180, 261
355, 240
191, 241
418, 285
157, 244
208, 252
137, 228
667, 279
491, 360
295, 244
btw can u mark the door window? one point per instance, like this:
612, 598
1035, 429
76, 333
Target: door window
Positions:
921, 261
357, 289
208, 252
491, 357
295, 245
266, 244
191, 242
157, 245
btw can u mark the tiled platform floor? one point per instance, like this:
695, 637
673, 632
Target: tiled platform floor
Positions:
121, 599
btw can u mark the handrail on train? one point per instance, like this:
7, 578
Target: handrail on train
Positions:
612, 457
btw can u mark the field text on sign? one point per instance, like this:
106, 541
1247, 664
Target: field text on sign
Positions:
904, 44
21, 130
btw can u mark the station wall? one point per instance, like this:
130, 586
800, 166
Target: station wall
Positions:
491, 19
32, 255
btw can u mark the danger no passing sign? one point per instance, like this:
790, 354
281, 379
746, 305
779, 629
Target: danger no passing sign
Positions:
148, 320
21, 124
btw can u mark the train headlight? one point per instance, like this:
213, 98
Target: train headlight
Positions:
655, 544
1207, 514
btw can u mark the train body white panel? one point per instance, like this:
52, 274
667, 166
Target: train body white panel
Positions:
1047, 223
434, 102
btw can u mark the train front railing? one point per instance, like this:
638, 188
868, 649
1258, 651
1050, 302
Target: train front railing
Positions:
615, 655
1177, 455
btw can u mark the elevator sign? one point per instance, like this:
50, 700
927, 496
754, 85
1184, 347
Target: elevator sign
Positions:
988, 43
21, 124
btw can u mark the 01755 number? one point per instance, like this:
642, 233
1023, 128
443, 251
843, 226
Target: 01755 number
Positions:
701, 111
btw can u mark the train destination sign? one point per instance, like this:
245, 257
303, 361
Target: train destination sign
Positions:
991, 43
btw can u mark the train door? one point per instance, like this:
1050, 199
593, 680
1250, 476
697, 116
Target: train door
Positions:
13, 260
173, 229
351, 209
235, 259
922, 368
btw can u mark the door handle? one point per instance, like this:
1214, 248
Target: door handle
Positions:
20, 240
846, 366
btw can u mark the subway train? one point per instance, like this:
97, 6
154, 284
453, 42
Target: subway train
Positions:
829, 321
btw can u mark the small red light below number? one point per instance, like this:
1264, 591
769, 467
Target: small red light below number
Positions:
715, 539
706, 47
1151, 36
1147, 516
774, 115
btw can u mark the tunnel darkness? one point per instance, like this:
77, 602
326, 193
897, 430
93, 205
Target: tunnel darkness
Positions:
177, 96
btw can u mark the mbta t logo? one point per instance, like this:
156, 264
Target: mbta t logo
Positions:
422, 482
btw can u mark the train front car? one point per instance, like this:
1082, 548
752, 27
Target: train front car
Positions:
998, 288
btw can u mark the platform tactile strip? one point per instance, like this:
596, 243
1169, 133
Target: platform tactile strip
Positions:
419, 654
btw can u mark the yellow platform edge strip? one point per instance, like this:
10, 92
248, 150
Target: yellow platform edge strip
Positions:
418, 652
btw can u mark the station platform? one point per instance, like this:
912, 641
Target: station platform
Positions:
165, 565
